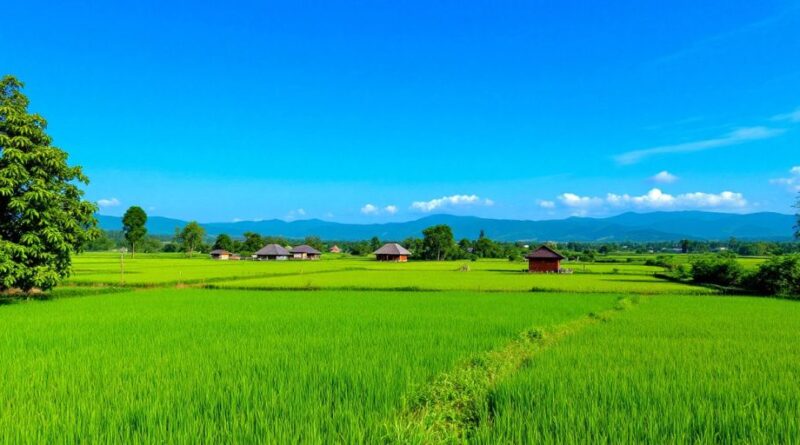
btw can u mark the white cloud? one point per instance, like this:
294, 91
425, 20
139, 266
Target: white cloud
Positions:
450, 201
736, 137
108, 202
792, 183
793, 116
575, 201
369, 209
664, 177
372, 209
545, 204
656, 199
653, 199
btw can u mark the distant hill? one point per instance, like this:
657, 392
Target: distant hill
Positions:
655, 226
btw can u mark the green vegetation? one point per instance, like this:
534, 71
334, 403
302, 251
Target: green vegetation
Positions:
169, 365
133, 227
674, 370
181, 349
43, 218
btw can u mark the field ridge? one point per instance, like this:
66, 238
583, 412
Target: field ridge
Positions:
450, 408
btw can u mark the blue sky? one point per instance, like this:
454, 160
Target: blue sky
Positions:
385, 111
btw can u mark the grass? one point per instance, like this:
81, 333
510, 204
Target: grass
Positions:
367, 274
457, 356
675, 370
170, 365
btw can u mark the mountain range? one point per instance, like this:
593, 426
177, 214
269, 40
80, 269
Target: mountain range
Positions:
654, 226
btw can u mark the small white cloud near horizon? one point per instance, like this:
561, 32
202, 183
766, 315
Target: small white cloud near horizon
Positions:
575, 201
663, 177
450, 201
792, 183
654, 199
545, 204
108, 202
369, 209
372, 209
793, 116
739, 136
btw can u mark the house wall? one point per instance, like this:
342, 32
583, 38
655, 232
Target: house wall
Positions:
543, 265
397, 258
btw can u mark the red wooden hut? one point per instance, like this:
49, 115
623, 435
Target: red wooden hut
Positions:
544, 260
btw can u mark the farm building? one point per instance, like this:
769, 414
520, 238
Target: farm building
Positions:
335, 249
392, 252
544, 260
220, 254
305, 252
272, 252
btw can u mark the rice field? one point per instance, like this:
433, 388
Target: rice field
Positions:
675, 370
172, 365
349, 350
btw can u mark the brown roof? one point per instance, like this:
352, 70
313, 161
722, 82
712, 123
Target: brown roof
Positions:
272, 250
305, 249
392, 249
219, 252
544, 252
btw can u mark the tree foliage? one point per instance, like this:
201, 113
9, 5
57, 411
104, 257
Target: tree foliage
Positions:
252, 242
722, 270
778, 275
191, 237
43, 217
224, 242
438, 242
133, 227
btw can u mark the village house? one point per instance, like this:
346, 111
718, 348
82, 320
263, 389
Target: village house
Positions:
544, 260
335, 249
220, 254
392, 252
272, 252
305, 252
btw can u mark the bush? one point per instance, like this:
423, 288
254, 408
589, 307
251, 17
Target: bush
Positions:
779, 275
720, 270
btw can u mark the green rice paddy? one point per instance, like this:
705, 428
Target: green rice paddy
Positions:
349, 350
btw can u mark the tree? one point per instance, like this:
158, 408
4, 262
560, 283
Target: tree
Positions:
779, 275
684, 246
252, 242
438, 241
374, 243
315, 242
191, 237
43, 218
224, 242
133, 227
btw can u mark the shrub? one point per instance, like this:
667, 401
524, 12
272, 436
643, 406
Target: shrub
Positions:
779, 275
714, 269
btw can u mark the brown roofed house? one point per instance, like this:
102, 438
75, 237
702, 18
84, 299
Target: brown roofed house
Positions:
335, 249
544, 260
305, 252
272, 252
392, 252
220, 254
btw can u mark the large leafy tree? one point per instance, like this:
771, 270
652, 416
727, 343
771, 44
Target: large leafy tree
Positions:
191, 237
43, 216
438, 241
224, 242
133, 227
